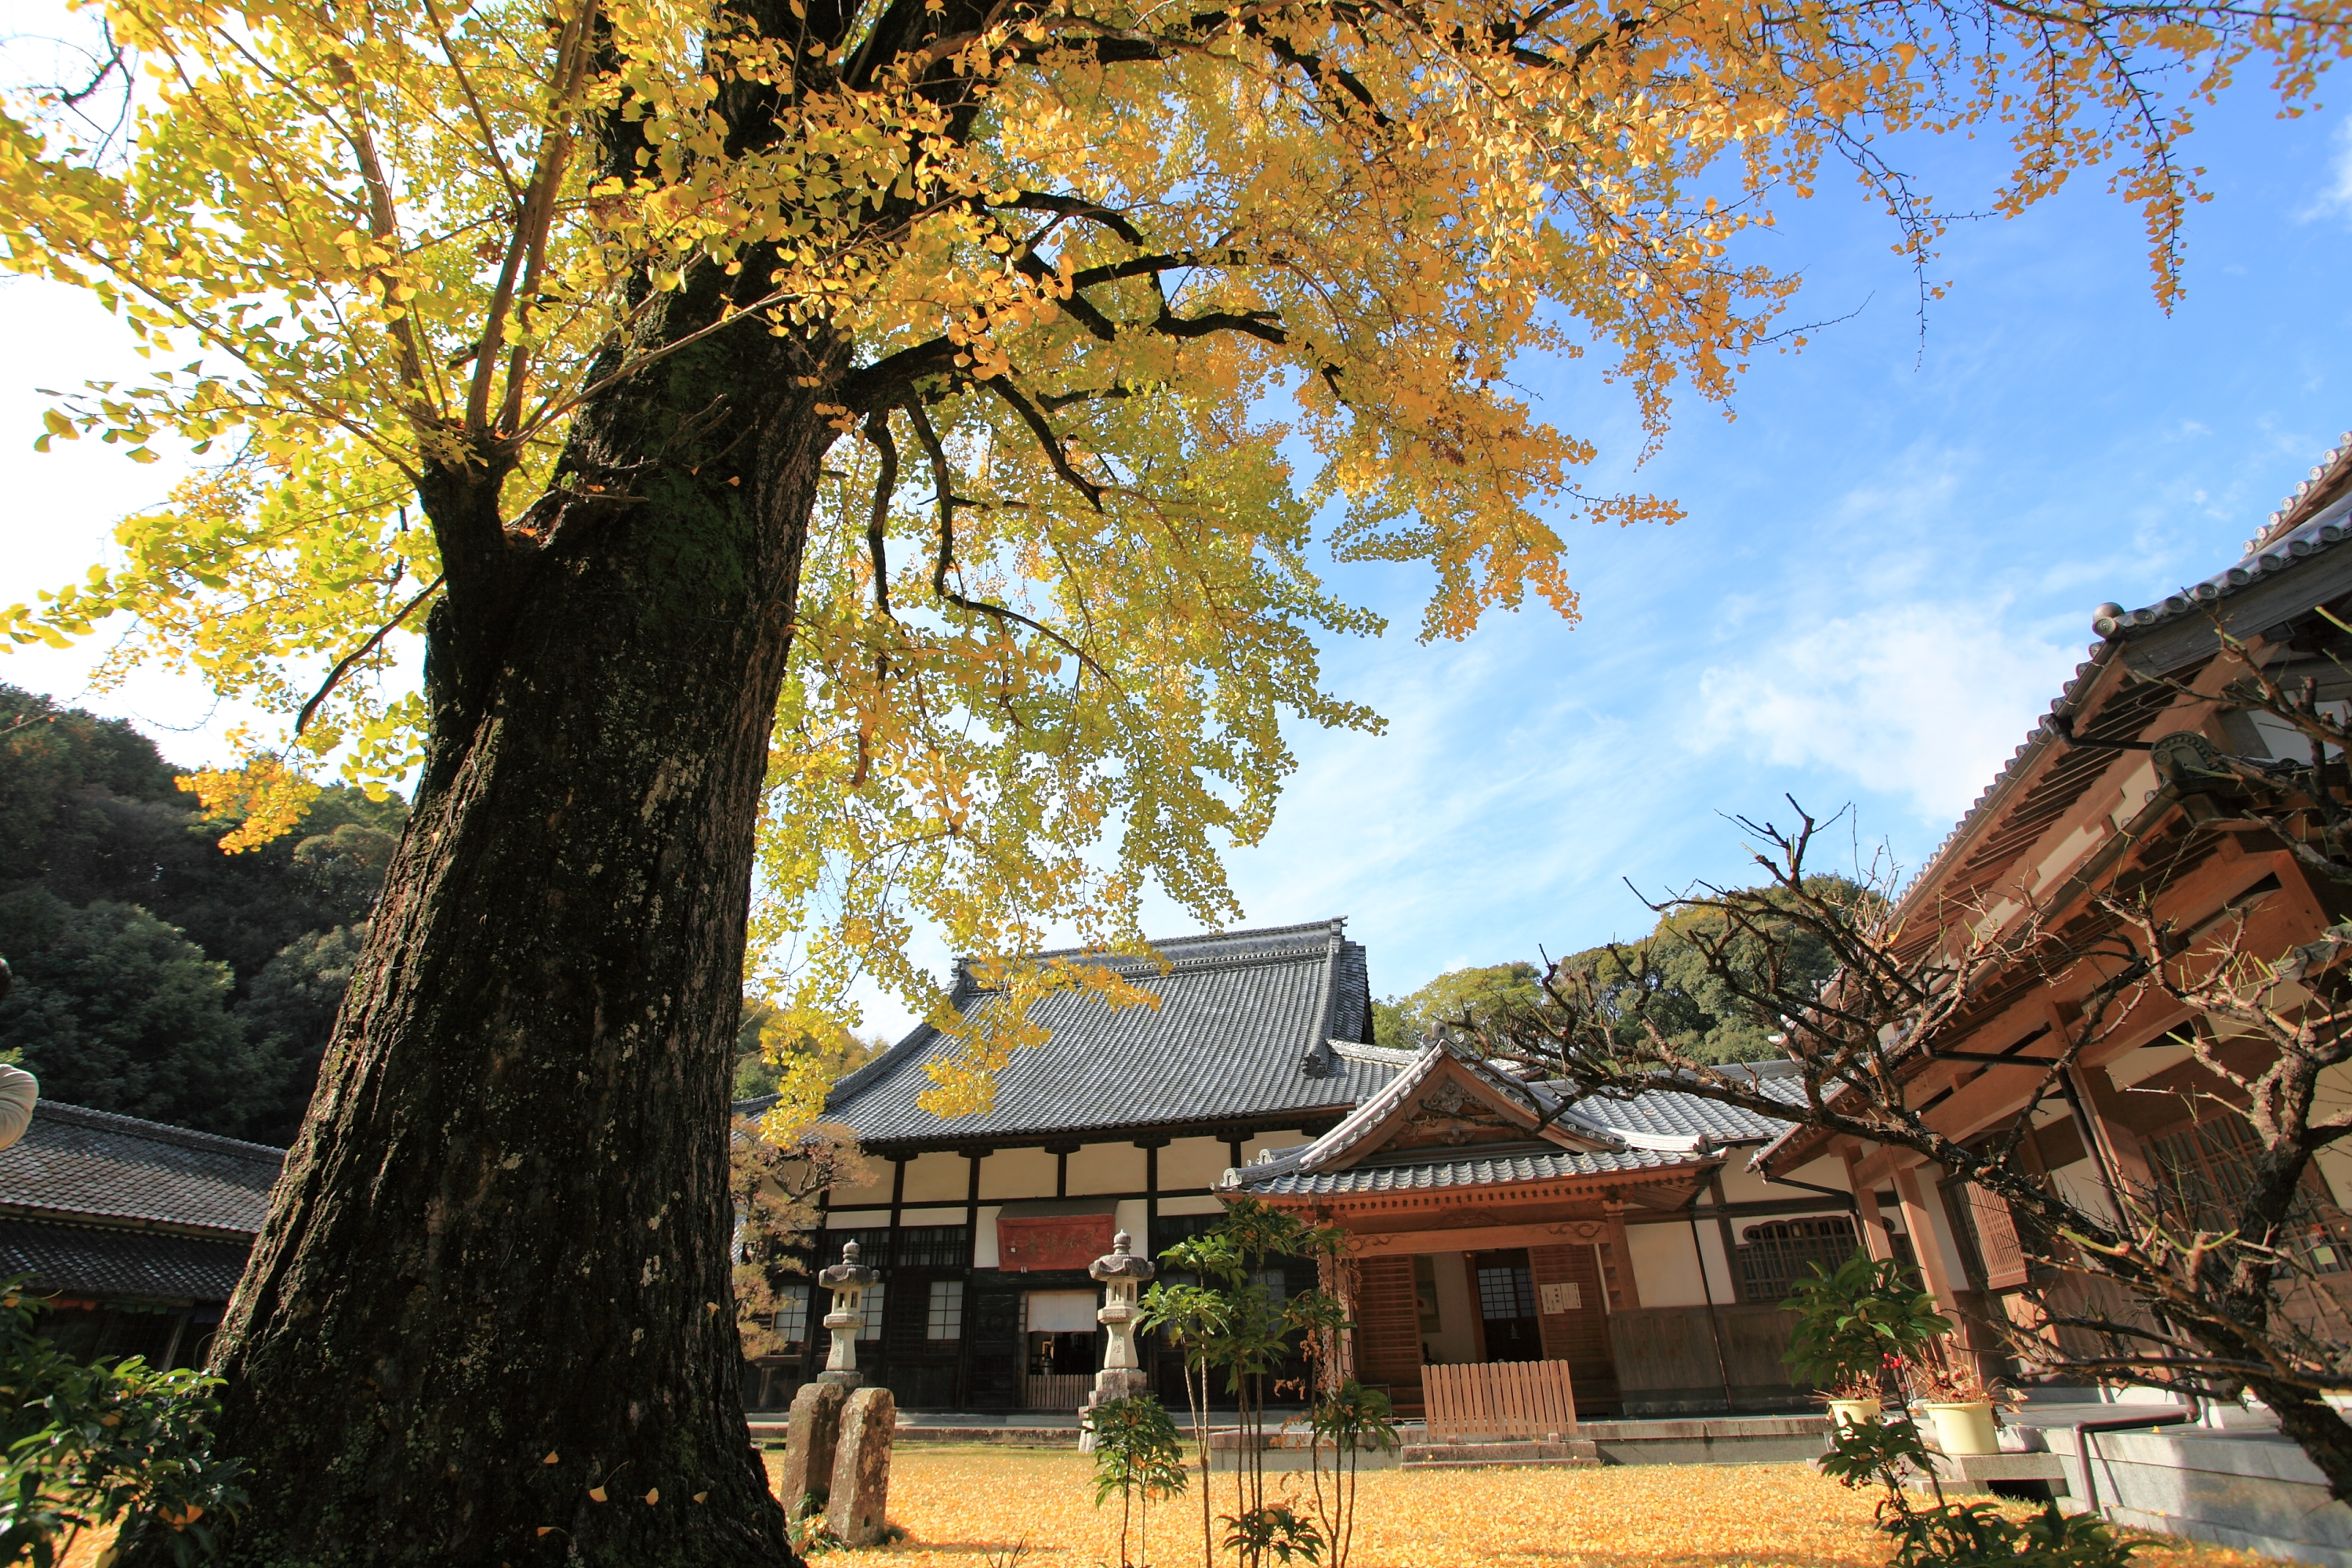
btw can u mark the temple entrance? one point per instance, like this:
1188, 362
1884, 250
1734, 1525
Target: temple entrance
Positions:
1509, 1322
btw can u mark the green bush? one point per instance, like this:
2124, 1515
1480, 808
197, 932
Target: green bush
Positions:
1852, 1323
104, 1442
1959, 1534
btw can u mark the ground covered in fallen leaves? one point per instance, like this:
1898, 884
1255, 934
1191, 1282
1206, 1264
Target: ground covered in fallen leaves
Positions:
993, 1508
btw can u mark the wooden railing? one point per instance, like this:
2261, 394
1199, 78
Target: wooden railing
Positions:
1053, 1392
1499, 1399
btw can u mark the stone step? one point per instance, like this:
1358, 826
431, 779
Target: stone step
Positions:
1572, 1451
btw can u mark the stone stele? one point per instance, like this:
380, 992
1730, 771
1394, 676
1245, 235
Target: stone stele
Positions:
812, 1432
861, 1467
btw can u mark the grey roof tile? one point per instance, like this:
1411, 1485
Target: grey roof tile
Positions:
1665, 1112
77, 1260
1240, 1014
73, 1161
1490, 1165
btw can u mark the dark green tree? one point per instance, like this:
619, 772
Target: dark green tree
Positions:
1697, 1012
1400, 1022
289, 1010
115, 1010
126, 870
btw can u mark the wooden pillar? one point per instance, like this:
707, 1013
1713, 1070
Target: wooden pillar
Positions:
1874, 1239
1723, 1233
1924, 1241
2115, 1144
972, 1260
1617, 1265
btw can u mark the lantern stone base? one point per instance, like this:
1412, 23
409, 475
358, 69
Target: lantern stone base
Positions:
1111, 1383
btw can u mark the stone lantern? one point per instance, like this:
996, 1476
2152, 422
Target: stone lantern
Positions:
1122, 1276
848, 1280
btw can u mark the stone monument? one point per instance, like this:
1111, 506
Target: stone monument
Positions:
860, 1492
812, 1431
1123, 1276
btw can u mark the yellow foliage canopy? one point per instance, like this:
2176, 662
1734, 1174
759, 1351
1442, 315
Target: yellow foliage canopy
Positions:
1127, 309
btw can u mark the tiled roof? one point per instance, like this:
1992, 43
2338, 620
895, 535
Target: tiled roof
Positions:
1656, 1130
1483, 1166
1249, 1027
88, 1260
1666, 1112
73, 1161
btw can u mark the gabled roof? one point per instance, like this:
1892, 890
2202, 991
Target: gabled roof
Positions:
96, 1166
1555, 1139
1251, 1027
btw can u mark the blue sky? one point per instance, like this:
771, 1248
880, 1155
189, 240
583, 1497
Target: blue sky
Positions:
1889, 565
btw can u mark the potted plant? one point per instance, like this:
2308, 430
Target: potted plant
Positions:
1855, 1326
1944, 1380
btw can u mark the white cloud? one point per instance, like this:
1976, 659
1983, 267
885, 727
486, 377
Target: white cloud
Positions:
2336, 198
1910, 700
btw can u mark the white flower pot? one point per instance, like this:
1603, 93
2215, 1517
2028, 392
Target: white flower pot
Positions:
1854, 1412
1963, 1428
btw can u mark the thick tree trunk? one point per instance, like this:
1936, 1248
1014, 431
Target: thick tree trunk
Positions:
489, 1320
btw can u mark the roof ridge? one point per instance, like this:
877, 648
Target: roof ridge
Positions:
155, 1131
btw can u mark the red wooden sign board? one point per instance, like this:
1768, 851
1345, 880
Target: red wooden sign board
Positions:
1052, 1241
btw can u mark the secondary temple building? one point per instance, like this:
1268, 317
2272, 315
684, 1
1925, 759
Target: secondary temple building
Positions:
1487, 1221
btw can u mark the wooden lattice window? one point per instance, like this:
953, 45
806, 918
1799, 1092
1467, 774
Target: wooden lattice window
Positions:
1775, 1255
2206, 1170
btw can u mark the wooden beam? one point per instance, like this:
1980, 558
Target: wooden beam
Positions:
1476, 1238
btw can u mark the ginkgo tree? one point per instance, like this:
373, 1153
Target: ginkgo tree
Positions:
889, 443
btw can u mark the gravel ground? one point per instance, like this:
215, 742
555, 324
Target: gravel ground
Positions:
988, 1508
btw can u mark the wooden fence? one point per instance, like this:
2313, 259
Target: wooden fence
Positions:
1054, 1391
1499, 1399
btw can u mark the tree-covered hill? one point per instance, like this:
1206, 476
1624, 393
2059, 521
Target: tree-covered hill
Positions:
1679, 995
156, 975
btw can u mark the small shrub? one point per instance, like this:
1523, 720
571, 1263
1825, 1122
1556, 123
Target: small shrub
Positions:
1275, 1531
1961, 1534
1852, 1321
107, 1442
1139, 1455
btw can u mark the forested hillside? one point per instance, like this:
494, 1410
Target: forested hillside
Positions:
156, 975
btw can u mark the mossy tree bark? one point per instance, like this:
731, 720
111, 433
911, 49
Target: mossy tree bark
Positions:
490, 1319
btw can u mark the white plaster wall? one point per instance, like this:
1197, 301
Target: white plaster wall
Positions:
1133, 1214
1014, 1173
2079, 1184
1456, 1339
938, 1178
1194, 1203
1666, 1271
1107, 1168
983, 1241
931, 1216
1194, 1162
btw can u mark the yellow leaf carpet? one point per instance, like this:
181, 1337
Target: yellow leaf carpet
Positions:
980, 1508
